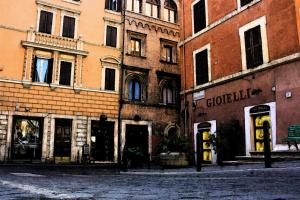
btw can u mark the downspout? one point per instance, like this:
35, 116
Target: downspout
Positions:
183, 65
121, 88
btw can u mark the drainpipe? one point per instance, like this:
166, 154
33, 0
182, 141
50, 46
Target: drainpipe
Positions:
121, 88
183, 65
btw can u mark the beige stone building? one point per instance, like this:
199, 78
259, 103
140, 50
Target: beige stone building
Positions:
59, 72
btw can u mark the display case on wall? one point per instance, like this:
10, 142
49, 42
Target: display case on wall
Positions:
260, 114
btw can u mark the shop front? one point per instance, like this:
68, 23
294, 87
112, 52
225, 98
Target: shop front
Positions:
27, 135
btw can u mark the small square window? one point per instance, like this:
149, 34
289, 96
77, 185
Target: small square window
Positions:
135, 46
168, 51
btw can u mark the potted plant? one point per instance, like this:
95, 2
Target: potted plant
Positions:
173, 150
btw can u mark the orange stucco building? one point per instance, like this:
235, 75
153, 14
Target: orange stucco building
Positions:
59, 72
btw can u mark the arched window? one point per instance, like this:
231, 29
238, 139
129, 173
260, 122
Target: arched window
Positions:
134, 5
152, 8
170, 11
168, 95
134, 90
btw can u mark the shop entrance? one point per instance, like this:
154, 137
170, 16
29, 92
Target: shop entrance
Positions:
259, 115
102, 141
27, 139
62, 140
137, 145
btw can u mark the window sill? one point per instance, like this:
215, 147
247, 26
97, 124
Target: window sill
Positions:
133, 55
110, 47
112, 12
169, 63
73, 2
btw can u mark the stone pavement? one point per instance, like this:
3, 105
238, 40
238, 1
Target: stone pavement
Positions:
213, 182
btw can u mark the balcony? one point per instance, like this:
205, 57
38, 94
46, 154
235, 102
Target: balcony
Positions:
53, 42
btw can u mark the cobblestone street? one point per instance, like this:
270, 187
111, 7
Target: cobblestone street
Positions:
240, 182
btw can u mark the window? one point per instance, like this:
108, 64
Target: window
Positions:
202, 65
134, 5
110, 77
168, 95
168, 51
199, 15
245, 2
115, 5
135, 46
170, 11
68, 27
65, 73
134, 90
42, 71
45, 24
254, 46
111, 36
152, 8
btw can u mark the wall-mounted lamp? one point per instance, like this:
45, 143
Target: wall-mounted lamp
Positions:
137, 118
256, 91
288, 94
27, 109
103, 118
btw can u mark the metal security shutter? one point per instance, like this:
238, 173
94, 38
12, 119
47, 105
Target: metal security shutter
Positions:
111, 36
253, 47
45, 25
68, 27
65, 73
202, 67
110, 76
199, 16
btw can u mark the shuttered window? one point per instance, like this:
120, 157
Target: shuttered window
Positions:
68, 27
202, 67
111, 36
110, 76
253, 47
199, 16
42, 70
245, 2
45, 25
65, 73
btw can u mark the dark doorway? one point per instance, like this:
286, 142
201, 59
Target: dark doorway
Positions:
62, 140
102, 141
27, 139
137, 145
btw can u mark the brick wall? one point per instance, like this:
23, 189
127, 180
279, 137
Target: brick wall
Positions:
41, 99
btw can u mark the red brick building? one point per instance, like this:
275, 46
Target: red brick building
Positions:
240, 67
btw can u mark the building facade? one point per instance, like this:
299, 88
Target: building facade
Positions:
150, 74
240, 68
59, 72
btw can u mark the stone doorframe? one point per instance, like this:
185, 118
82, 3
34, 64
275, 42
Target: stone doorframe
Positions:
74, 150
142, 123
89, 132
213, 132
248, 126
